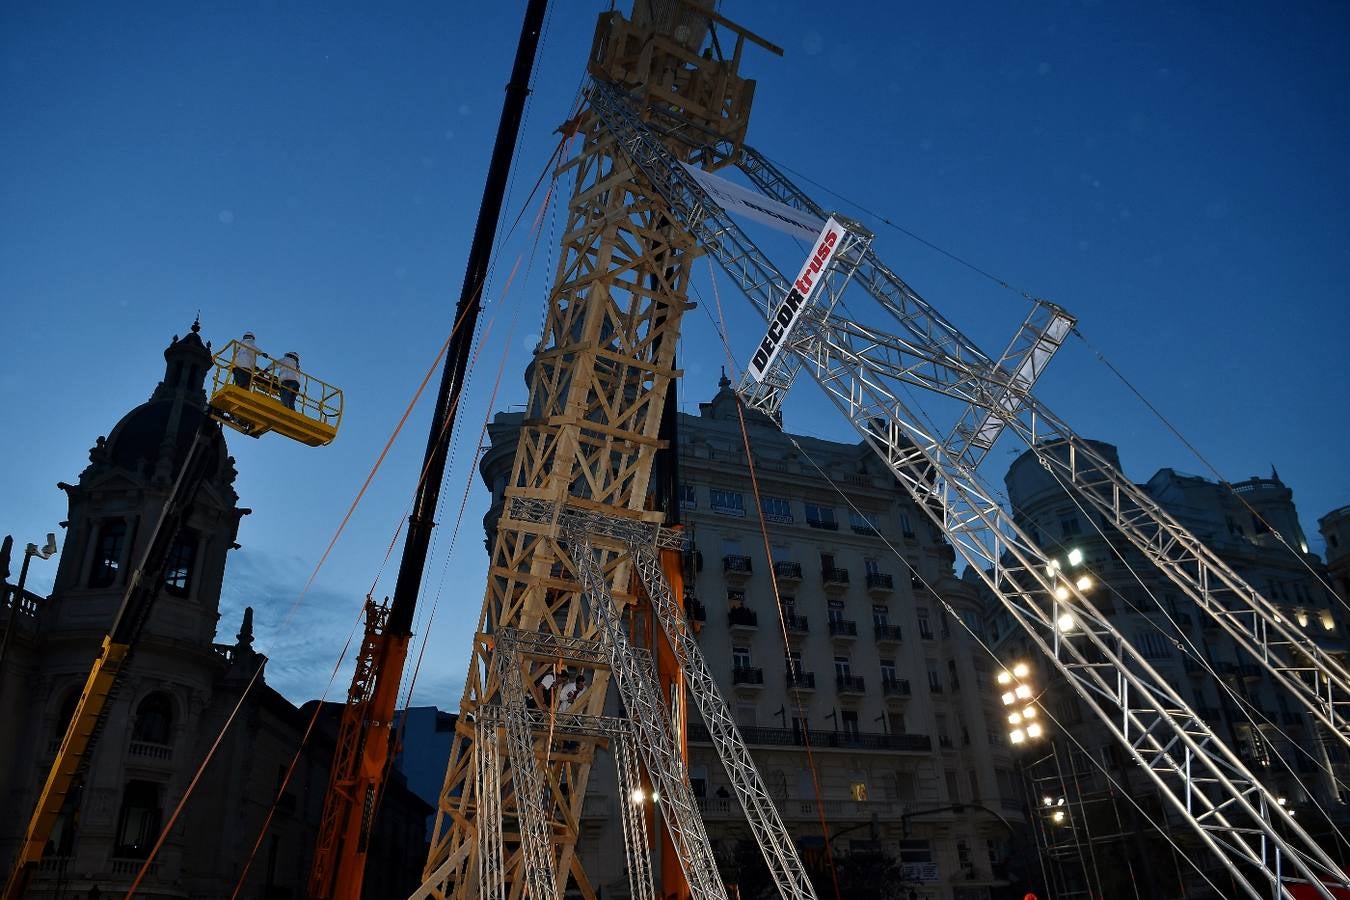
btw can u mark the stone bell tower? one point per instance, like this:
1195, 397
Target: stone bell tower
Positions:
146, 750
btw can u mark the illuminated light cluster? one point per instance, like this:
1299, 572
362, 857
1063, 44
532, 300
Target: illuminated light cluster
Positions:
1065, 584
1022, 720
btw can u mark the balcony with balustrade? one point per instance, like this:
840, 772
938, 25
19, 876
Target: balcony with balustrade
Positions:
737, 568
886, 634
843, 629
787, 573
825, 741
747, 677
834, 581
895, 688
695, 609
850, 685
880, 584
800, 681
742, 620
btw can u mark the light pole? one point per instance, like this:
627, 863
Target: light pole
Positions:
28, 553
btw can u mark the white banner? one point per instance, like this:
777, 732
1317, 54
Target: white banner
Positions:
790, 310
754, 205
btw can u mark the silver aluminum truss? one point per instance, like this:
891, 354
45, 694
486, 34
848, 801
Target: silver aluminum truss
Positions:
619, 732
642, 886
536, 833
1231, 812
1314, 677
1028, 354
642, 540
491, 850
646, 709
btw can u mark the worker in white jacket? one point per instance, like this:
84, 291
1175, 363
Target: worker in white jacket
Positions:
287, 373
245, 360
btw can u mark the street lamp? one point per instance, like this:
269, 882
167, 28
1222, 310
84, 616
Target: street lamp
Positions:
28, 553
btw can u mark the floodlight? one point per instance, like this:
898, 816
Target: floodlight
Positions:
639, 795
1015, 719
1062, 593
1008, 698
1034, 730
1023, 692
1083, 583
1065, 622
1029, 712
1004, 678
1021, 670
1017, 736
1057, 816
1075, 556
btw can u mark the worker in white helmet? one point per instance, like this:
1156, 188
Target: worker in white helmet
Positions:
287, 373
245, 360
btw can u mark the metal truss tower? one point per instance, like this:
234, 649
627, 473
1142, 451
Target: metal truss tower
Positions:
577, 542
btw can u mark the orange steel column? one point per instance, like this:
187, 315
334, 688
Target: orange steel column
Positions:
671, 677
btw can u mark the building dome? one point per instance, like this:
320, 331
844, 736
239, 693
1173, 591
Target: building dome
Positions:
153, 439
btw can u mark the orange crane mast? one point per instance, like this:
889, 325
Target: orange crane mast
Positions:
365, 742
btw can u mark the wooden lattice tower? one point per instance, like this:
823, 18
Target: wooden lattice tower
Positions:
591, 431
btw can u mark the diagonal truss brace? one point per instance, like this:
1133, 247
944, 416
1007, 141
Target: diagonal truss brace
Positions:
642, 540
642, 699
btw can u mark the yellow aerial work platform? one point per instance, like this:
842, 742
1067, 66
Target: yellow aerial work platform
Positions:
248, 396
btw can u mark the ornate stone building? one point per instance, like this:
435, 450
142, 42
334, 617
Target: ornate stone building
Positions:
176, 694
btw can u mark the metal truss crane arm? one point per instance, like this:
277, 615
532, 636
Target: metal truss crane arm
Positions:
934, 355
1317, 680
1205, 782
1231, 812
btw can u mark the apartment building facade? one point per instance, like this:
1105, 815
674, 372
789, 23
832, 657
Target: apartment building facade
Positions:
1093, 820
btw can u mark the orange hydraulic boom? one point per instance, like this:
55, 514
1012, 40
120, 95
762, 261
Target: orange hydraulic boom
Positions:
365, 745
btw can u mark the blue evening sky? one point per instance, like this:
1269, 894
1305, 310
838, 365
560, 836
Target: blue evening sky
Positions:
1173, 174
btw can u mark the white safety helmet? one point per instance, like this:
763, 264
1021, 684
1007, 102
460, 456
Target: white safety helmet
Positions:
293, 356
248, 336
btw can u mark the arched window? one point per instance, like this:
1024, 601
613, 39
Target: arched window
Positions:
182, 560
108, 546
154, 719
